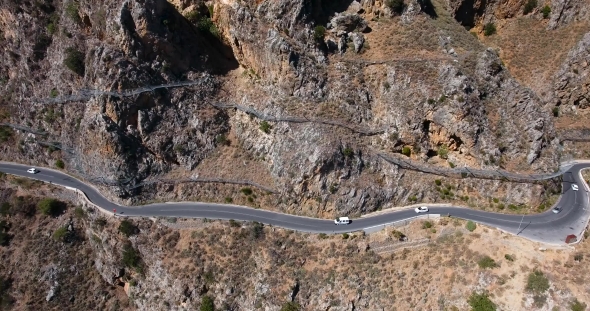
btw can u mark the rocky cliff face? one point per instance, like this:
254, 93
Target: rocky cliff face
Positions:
572, 81
442, 97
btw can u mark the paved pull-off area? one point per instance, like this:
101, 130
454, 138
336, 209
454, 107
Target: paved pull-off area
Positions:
546, 227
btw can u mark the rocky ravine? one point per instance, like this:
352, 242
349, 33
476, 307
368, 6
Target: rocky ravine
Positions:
444, 94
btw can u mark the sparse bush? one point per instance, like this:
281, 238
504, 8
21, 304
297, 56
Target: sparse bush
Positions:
481, 302
265, 127
74, 60
59, 164
257, 230
100, 222
345, 236
396, 6
470, 226
246, 191
4, 208
427, 225
406, 151
333, 188
486, 262
537, 282
50, 207
451, 164
206, 26
431, 101
291, 306
489, 29
6, 301
578, 257
72, 12
529, 6
348, 152
228, 200
437, 182
555, 111
413, 198
319, 32
207, 304
322, 236
192, 16
222, 140
53, 93
509, 257
546, 10
127, 228
577, 305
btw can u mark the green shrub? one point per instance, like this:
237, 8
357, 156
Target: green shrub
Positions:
131, 257
6, 301
322, 236
537, 283
192, 16
489, 29
427, 225
555, 111
486, 262
290, 306
265, 127
481, 302
451, 164
577, 305
348, 152
59, 164
345, 236
222, 140
406, 151
53, 93
546, 10
246, 191
5, 133
495, 200
431, 101
529, 6
234, 224
228, 200
74, 60
127, 228
413, 198
206, 25
80, 213
396, 6
319, 32
437, 182
509, 257
49, 207
471, 226
4, 208
443, 152
60, 234
333, 188
72, 12
207, 304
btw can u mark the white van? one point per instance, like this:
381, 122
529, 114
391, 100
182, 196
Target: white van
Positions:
342, 221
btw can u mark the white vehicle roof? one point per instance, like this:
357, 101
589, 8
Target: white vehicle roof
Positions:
343, 218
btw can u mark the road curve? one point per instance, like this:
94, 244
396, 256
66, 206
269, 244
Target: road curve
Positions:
546, 227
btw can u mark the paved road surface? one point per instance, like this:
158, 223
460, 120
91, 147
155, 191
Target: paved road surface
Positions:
545, 227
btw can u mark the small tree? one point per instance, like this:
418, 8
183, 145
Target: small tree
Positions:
443, 152
546, 10
127, 228
470, 226
74, 60
481, 302
61, 234
207, 304
396, 6
489, 29
529, 6
59, 164
257, 230
49, 207
131, 257
577, 305
319, 32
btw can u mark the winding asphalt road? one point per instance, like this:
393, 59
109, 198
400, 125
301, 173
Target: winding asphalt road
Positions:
546, 227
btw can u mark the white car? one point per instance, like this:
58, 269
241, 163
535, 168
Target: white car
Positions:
421, 209
33, 170
342, 221
556, 210
574, 187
